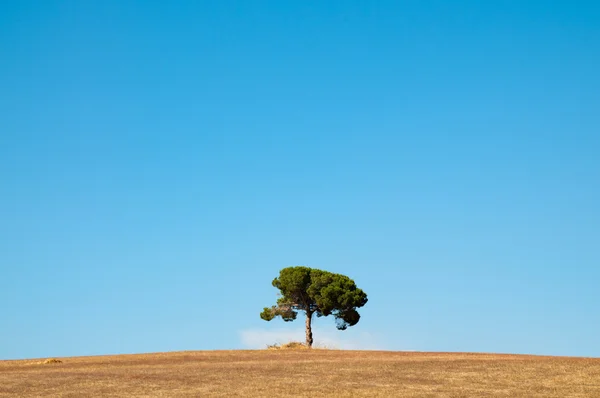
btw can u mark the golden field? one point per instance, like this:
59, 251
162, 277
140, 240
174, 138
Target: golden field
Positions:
303, 373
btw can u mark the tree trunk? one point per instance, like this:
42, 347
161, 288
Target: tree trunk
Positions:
309, 338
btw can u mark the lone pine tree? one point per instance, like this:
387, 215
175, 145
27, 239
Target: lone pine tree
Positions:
316, 292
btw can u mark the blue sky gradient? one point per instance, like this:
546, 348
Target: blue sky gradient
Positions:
161, 161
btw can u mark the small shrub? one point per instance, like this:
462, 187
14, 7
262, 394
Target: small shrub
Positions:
50, 361
292, 345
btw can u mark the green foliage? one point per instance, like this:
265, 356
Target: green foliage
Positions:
316, 292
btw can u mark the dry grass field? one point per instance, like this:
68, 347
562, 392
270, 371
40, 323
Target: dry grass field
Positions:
303, 373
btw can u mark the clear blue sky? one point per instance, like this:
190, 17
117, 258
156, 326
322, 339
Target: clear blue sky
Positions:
161, 161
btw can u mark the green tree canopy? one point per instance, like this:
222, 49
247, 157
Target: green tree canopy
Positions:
316, 292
